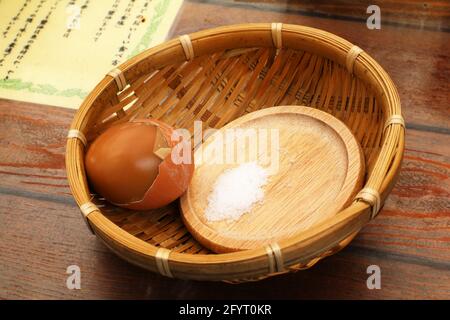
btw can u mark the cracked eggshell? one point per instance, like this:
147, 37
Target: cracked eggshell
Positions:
131, 165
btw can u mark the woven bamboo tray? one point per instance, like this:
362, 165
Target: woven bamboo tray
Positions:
216, 76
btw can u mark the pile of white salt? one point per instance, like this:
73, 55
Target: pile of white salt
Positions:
236, 191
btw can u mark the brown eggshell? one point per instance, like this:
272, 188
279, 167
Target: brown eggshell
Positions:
124, 167
120, 163
172, 180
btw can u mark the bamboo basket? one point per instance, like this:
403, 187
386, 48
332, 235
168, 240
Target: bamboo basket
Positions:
216, 76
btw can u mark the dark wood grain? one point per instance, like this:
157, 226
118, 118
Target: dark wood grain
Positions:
42, 232
432, 15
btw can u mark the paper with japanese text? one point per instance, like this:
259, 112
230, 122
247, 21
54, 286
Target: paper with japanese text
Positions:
54, 52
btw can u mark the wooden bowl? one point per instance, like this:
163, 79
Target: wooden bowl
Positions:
216, 76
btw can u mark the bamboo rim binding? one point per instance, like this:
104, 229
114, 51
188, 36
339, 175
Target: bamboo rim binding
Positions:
188, 49
371, 197
86, 209
242, 41
73, 133
394, 119
277, 35
275, 257
162, 262
119, 78
352, 55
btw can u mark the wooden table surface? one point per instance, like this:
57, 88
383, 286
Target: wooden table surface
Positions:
42, 232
